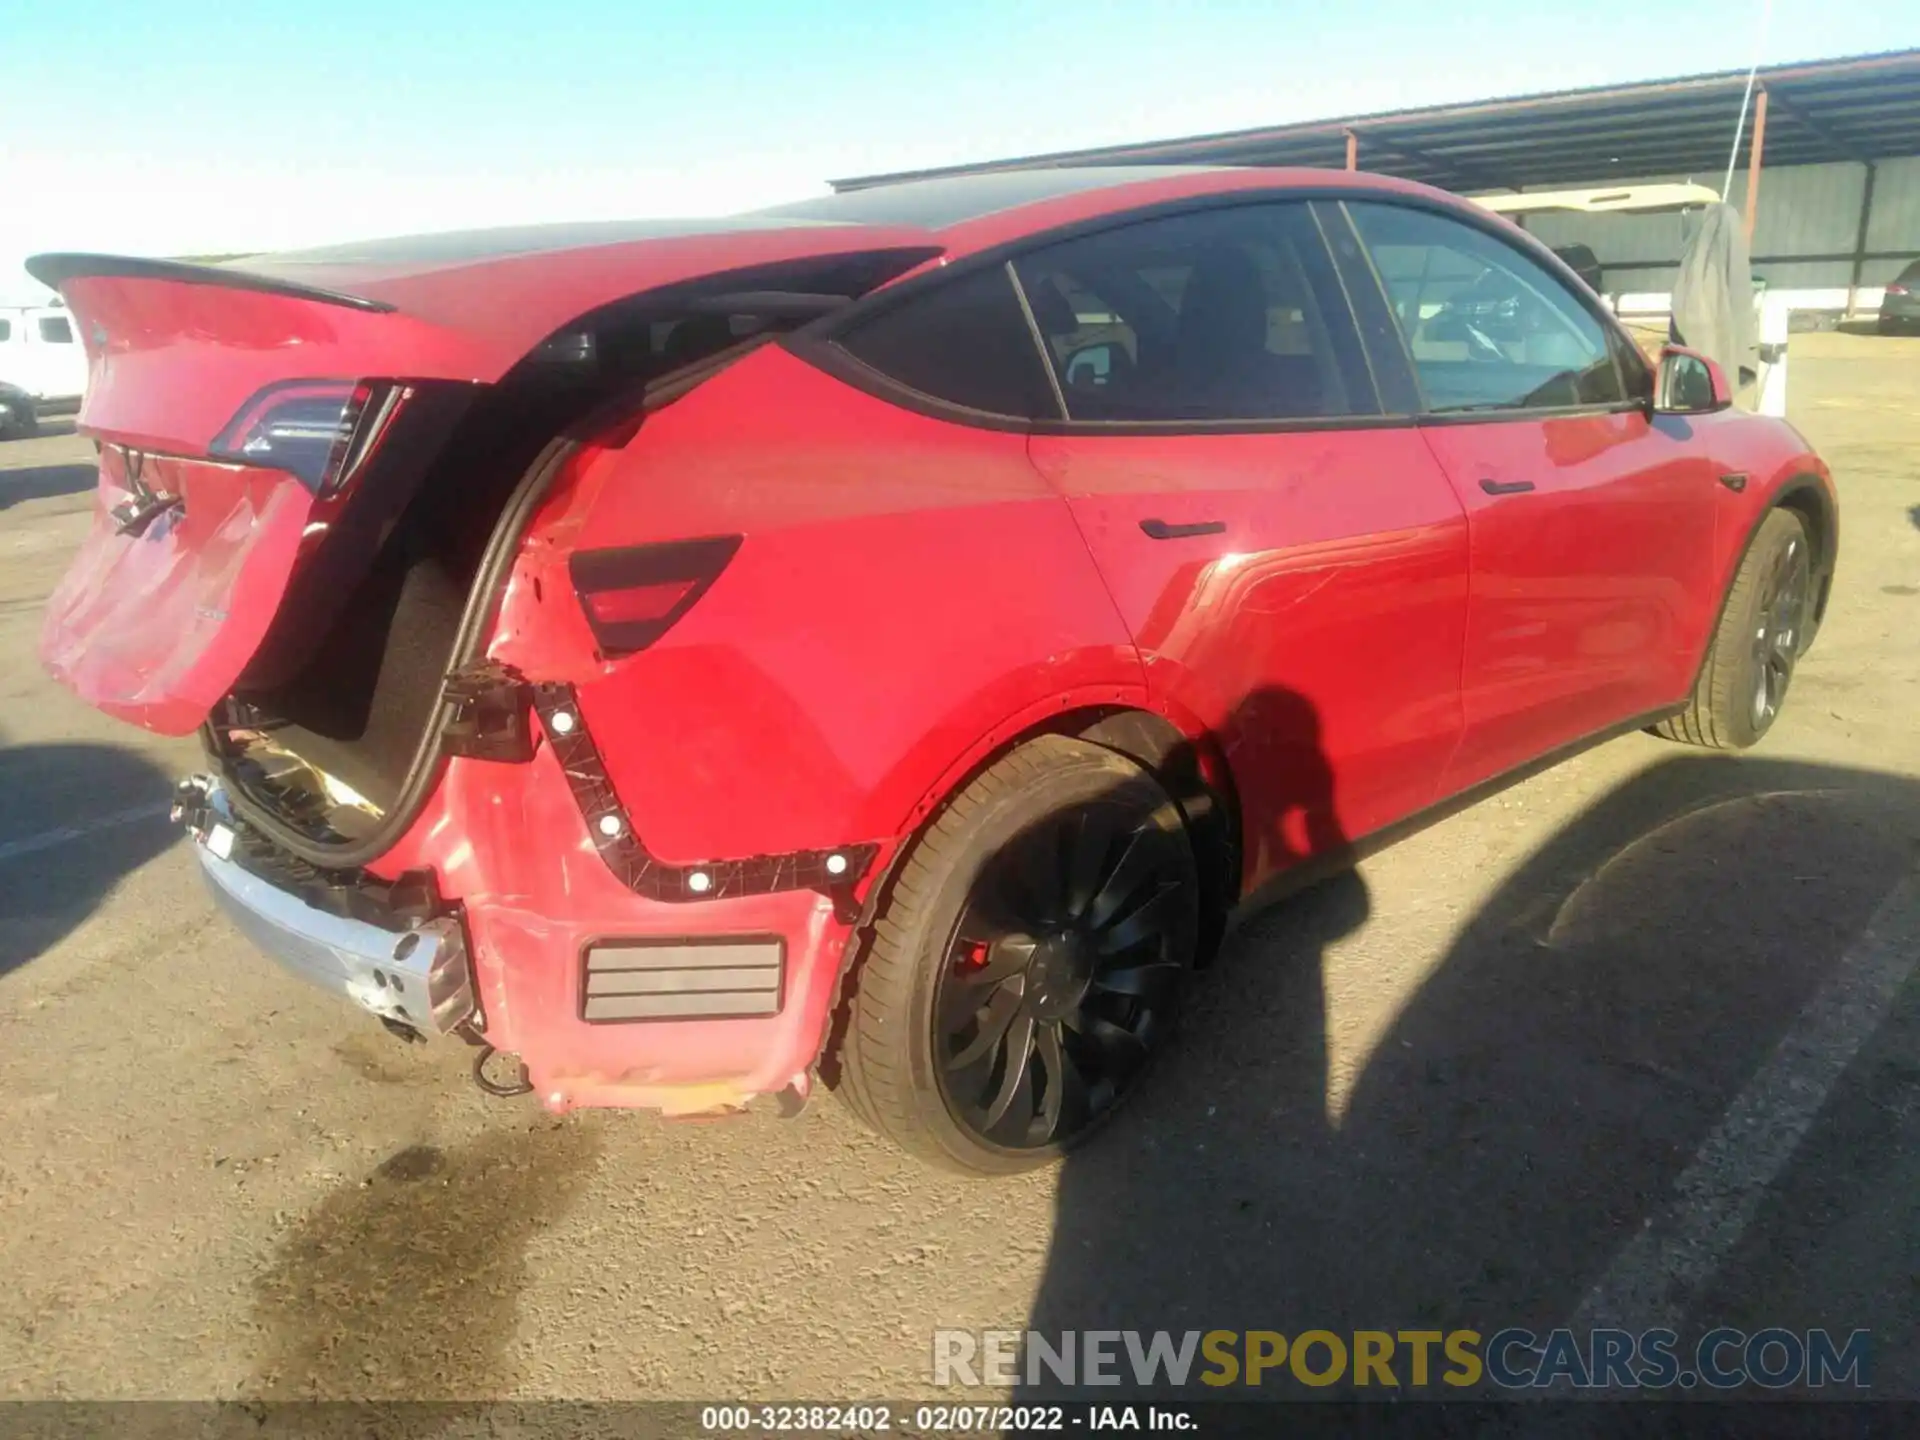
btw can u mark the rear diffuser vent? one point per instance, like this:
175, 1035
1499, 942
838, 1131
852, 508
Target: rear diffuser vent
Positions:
682, 979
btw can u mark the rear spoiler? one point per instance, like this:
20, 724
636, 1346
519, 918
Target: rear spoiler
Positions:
176, 349
54, 270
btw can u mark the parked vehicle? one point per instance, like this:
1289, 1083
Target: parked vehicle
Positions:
693, 658
1900, 305
18, 420
41, 358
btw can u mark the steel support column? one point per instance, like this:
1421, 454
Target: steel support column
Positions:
1754, 154
1860, 240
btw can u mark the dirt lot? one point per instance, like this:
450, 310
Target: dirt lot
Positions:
1619, 1043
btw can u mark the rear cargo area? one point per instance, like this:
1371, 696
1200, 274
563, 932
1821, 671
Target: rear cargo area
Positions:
324, 726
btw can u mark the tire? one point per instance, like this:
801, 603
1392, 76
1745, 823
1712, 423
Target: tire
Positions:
1054, 903
19, 425
1763, 632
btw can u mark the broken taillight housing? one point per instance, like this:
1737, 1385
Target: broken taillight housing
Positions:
633, 596
321, 431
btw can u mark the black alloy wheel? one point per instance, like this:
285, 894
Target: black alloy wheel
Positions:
1025, 961
1785, 595
1766, 623
1063, 971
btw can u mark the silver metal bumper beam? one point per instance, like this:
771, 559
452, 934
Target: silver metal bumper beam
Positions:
418, 976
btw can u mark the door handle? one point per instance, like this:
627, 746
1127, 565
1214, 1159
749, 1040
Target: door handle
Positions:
1506, 487
1161, 530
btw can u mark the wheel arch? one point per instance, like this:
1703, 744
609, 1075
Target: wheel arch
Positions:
1809, 496
1188, 764
1183, 757
1812, 500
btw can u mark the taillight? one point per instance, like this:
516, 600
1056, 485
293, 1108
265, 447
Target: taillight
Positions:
318, 430
1896, 288
633, 596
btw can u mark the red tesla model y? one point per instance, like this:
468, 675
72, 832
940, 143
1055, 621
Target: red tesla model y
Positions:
885, 636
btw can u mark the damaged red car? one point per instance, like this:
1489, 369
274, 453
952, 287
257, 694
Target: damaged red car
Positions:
886, 636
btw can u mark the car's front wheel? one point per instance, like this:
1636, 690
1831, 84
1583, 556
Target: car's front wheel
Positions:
1763, 629
1027, 961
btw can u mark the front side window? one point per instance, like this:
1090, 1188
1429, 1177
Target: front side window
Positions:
6, 330
55, 330
1485, 327
1224, 315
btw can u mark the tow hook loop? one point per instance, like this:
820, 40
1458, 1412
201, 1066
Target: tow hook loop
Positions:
522, 1084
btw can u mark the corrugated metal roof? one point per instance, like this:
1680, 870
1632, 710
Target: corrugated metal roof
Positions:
1864, 107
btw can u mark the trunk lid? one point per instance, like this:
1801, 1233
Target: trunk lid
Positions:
174, 587
234, 407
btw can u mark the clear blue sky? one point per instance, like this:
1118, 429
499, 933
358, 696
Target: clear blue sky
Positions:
170, 126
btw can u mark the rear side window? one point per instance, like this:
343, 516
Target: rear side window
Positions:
966, 342
1485, 327
1225, 315
55, 330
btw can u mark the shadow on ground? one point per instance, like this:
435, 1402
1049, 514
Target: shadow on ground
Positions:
1865, 327
1528, 1111
42, 482
74, 819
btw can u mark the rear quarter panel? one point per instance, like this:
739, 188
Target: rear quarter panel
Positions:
906, 586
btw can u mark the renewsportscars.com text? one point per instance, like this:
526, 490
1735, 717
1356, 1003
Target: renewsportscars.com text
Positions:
1510, 1359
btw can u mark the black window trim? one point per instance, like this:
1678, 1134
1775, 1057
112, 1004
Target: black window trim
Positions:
1612, 333
816, 343
1039, 339
1393, 375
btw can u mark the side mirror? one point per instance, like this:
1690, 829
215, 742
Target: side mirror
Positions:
1690, 384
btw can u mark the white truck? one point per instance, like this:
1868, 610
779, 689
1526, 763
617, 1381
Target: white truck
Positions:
43, 366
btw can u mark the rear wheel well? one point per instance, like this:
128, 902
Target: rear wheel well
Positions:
1198, 779
1195, 776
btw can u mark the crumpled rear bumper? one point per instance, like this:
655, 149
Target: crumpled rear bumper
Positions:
415, 975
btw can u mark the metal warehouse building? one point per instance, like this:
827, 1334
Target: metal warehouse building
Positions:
1827, 173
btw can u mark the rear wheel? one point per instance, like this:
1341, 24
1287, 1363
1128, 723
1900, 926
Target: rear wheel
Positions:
1762, 632
1027, 963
